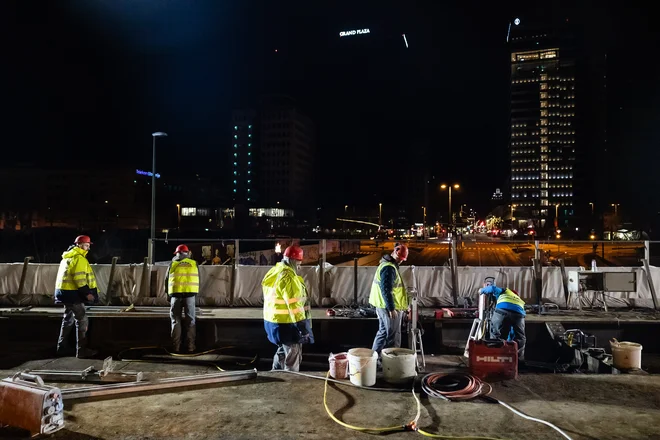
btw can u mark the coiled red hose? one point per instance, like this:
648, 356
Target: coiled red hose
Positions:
454, 386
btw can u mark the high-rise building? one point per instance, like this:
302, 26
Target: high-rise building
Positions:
273, 156
287, 154
244, 141
543, 122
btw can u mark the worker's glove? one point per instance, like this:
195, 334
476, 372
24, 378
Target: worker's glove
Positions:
304, 339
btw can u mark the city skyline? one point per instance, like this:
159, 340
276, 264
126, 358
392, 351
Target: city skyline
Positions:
434, 103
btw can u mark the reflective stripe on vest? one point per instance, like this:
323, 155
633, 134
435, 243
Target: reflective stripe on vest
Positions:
509, 297
67, 279
285, 296
183, 277
398, 290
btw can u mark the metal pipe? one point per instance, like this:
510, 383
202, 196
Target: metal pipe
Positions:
21, 286
160, 384
111, 280
355, 281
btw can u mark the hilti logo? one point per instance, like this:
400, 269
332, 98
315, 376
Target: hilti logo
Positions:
494, 359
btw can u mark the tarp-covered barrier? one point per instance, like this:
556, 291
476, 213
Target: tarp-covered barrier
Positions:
432, 285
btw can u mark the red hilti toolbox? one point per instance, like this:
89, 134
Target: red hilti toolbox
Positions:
493, 360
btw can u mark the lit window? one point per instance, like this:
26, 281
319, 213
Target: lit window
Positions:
249, 163
250, 135
235, 164
235, 136
235, 154
248, 189
234, 173
234, 182
234, 189
249, 153
235, 145
249, 172
249, 144
235, 127
248, 199
188, 212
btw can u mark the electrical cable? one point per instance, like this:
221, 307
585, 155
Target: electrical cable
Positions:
180, 355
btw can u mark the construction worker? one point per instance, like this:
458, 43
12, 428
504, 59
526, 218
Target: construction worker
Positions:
389, 297
508, 316
75, 286
182, 284
287, 319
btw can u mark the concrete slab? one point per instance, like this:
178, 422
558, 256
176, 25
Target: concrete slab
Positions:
282, 406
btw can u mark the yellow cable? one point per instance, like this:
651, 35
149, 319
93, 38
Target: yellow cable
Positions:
412, 426
346, 425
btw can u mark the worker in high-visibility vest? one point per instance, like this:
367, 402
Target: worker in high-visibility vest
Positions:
508, 316
389, 297
287, 318
182, 284
75, 286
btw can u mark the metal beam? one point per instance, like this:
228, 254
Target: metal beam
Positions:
21, 286
649, 279
156, 385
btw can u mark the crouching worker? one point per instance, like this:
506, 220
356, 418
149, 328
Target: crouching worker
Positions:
75, 286
287, 319
508, 316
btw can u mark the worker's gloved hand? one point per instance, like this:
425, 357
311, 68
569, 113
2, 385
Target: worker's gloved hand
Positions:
304, 338
392, 314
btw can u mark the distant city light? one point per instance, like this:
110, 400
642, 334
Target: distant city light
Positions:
516, 21
354, 32
147, 173
405, 40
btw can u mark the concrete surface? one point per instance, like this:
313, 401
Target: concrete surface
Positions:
284, 406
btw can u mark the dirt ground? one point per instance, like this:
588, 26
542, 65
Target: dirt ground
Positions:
284, 406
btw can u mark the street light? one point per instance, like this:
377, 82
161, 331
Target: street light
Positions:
178, 216
445, 186
616, 208
424, 222
153, 193
380, 214
512, 208
592, 207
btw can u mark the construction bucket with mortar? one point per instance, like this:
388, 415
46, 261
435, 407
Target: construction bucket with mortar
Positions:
338, 365
626, 355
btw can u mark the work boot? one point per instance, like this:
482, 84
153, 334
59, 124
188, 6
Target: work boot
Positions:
86, 353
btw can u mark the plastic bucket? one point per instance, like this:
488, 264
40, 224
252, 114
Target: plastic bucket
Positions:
399, 365
362, 364
338, 365
626, 355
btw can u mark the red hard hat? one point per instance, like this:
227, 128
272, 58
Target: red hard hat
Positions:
181, 248
82, 239
401, 251
294, 252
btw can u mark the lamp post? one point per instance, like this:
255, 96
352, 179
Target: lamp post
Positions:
153, 193
557, 215
616, 208
424, 223
345, 213
592, 207
445, 186
380, 215
178, 216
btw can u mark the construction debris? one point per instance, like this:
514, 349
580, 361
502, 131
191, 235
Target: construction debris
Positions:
107, 374
160, 384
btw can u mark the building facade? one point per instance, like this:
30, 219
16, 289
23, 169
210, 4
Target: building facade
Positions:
543, 123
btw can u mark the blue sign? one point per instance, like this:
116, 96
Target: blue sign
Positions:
147, 173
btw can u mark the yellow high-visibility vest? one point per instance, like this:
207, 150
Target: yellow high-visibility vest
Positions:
508, 296
285, 296
183, 277
74, 271
398, 290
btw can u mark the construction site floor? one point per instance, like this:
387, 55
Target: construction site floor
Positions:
285, 406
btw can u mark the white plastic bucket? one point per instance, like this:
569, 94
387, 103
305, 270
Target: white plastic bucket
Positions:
399, 365
626, 355
362, 364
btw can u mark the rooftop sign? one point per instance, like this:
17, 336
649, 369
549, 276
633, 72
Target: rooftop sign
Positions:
354, 32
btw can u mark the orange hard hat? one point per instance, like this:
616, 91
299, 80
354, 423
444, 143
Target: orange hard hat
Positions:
181, 248
294, 252
82, 239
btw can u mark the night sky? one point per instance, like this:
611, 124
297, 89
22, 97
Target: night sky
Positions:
88, 81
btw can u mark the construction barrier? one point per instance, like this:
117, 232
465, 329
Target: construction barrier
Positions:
241, 285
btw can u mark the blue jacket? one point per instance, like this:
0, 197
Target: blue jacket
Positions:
505, 300
387, 278
288, 334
